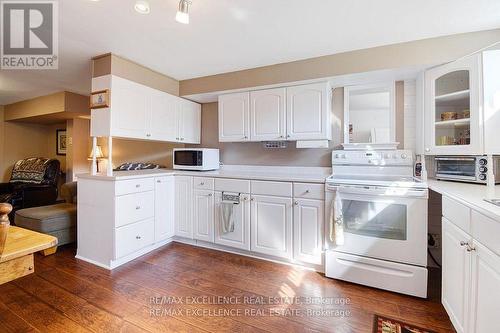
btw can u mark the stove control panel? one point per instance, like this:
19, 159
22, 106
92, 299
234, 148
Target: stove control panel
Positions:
373, 157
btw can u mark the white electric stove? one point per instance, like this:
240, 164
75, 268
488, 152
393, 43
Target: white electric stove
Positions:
376, 230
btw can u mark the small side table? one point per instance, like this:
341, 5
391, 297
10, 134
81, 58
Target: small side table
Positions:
17, 257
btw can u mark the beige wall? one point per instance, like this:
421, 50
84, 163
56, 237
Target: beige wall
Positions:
127, 69
138, 151
417, 53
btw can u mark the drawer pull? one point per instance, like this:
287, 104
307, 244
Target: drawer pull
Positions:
137, 237
202, 183
137, 207
462, 243
210, 194
296, 203
307, 191
158, 181
470, 248
137, 185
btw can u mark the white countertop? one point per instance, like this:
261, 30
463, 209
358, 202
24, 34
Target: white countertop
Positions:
471, 195
270, 173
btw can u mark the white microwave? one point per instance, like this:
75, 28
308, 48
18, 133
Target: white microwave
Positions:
199, 159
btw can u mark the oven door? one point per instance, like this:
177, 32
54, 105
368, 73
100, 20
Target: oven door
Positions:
379, 222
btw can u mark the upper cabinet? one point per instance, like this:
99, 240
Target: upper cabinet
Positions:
140, 112
291, 113
234, 117
462, 106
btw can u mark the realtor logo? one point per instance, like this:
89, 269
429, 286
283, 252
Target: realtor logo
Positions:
29, 32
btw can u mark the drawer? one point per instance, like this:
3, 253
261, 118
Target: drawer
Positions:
309, 191
280, 189
232, 185
486, 231
134, 185
457, 213
133, 237
134, 207
203, 183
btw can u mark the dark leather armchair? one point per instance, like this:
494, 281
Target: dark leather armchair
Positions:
33, 183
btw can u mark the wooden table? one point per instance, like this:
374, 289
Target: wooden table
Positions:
17, 257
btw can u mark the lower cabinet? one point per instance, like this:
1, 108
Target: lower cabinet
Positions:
240, 236
164, 208
308, 221
271, 226
471, 280
485, 296
455, 274
203, 219
183, 206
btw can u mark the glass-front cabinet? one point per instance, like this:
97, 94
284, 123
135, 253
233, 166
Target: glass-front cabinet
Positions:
452, 108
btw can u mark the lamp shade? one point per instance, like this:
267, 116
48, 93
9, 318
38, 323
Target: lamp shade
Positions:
98, 153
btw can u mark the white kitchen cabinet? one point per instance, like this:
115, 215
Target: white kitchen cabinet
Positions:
308, 112
467, 90
164, 207
203, 215
485, 291
240, 237
268, 115
164, 120
184, 206
308, 226
139, 112
287, 113
132, 104
456, 274
271, 225
234, 117
189, 125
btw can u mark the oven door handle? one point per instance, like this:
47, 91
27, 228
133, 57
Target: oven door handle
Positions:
377, 191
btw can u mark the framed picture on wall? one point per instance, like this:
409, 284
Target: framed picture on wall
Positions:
61, 143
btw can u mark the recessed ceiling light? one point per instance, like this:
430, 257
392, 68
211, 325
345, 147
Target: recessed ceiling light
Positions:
182, 15
142, 7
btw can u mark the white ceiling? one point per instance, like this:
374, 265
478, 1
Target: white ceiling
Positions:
228, 35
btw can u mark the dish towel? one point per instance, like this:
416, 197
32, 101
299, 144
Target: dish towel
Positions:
226, 213
336, 221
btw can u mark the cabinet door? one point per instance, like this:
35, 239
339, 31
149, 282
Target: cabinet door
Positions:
308, 112
183, 206
485, 298
308, 220
267, 115
164, 117
130, 109
204, 215
164, 208
453, 119
189, 122
240, 237
234, 117
271, 225
455, 275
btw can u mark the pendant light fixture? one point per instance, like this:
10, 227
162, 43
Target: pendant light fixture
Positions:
182, 15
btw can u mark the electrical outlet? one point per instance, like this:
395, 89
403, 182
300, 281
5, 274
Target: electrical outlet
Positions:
434, 241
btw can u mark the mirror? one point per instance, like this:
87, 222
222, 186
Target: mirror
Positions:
369, 114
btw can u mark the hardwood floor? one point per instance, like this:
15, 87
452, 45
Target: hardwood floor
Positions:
69, 295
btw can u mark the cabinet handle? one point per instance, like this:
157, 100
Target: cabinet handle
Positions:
137, 237
137, 185
252, 199
288, 136
148, 135
463, 243
427, 149
182, 139
307, 191
245, 137
245, 198
470, 248
202, 183
210, 194
177, 139
158, 181
137, 207
296, 203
